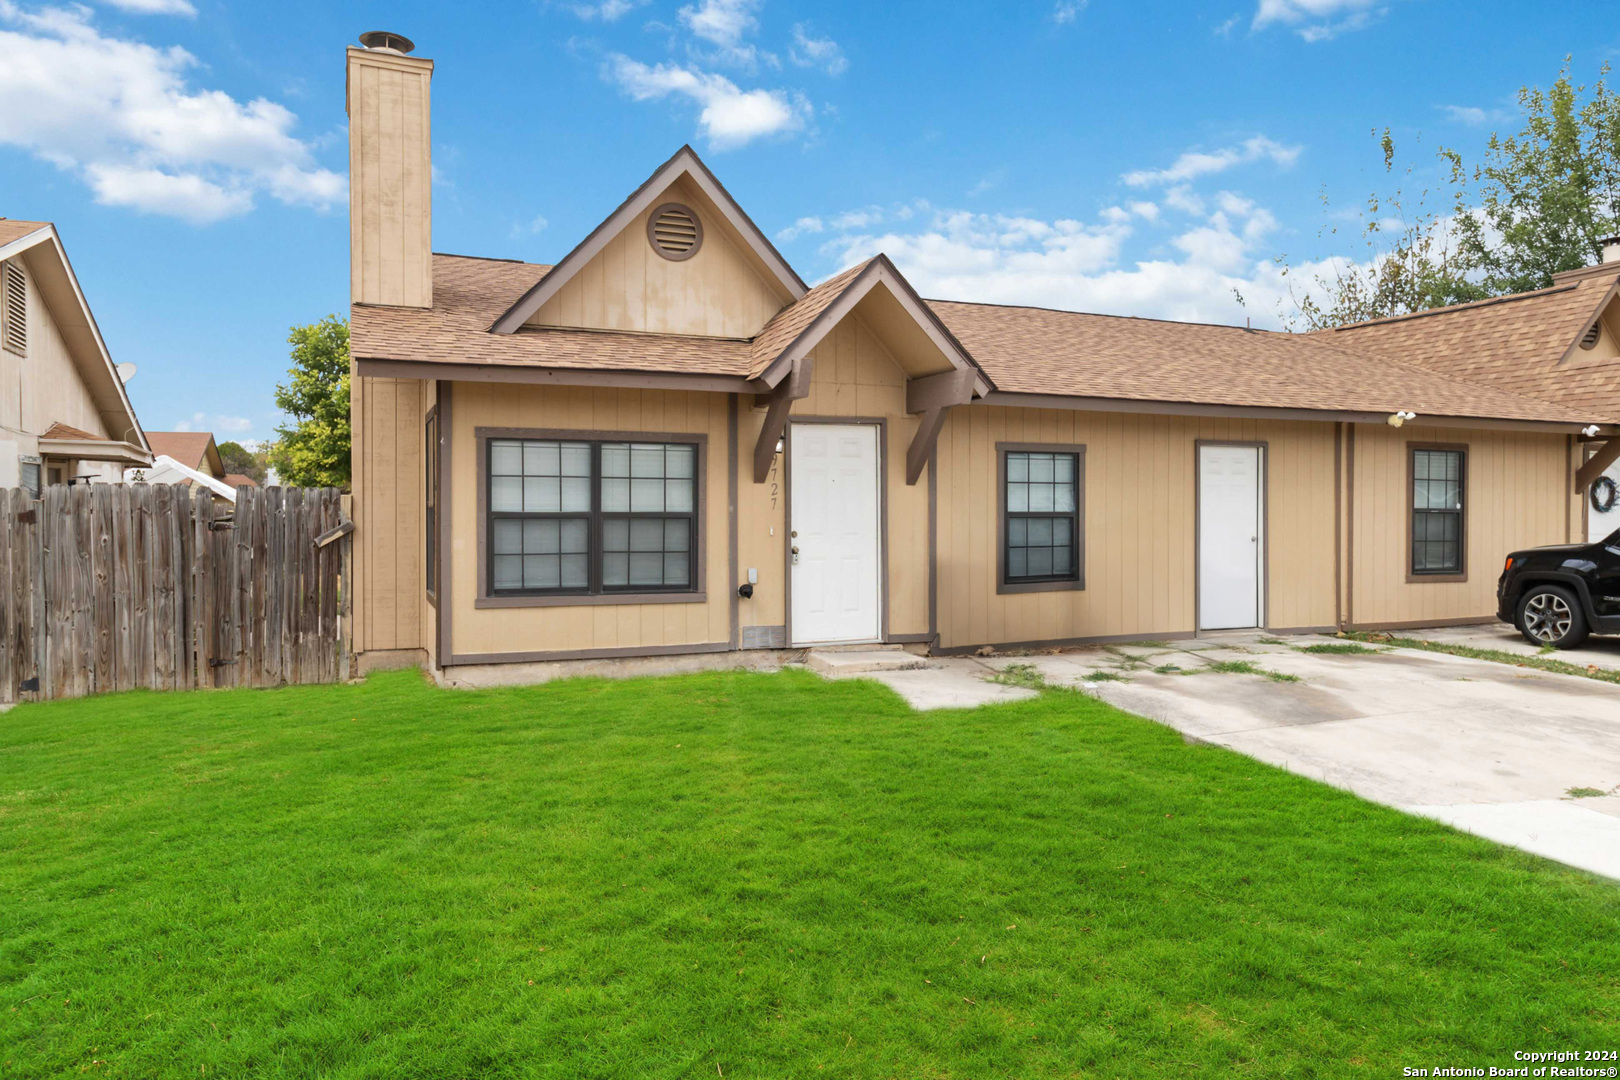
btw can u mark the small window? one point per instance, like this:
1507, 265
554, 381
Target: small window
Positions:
13, 309
675, 232
588, 517
1041, 539
1438, 505
29, 475
430, 460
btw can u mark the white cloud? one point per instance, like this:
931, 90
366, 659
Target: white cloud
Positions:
153, 7
1066, 11
813, 52
724, 24
121, 116
729, 116
1082, 266
607, 10
800, 228
1474, 116
1318, 20
201, 422
1196, 163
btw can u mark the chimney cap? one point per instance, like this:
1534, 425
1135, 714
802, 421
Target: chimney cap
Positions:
387, 41
1610, 247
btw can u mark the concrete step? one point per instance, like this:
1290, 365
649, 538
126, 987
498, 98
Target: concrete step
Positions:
835, 662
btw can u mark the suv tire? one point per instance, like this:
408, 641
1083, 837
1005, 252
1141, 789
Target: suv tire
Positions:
1551, 615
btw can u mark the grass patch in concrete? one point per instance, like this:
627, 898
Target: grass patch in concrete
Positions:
1166, 669
1026, 675
1247, 667
1539, 662
1585, 793
1338, 648
1104, 676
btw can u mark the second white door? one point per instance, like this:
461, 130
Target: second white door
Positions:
1231, 537
836, 584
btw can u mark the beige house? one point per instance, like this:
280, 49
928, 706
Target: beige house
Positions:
669, 443
64, 414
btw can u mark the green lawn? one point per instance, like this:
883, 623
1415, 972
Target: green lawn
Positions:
740, 875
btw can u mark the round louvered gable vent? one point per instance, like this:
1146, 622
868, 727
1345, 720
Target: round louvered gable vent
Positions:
1592, 334
675, 232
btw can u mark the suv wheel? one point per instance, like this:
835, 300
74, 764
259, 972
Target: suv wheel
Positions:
1550, 615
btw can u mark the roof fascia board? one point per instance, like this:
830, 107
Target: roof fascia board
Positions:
879, 270
47, 233
1260, 412
1596, 313
551, 376
685, 162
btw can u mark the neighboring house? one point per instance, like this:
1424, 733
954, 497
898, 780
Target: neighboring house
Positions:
64, 414
236, 480
1558, 344
668, 443
167, 470
193, 449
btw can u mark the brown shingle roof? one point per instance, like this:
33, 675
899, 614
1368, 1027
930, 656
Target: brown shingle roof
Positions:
469, 294
189, 448
1514, 343
236, 479
66, 431
1020, 349
1041, 351
11, 229
786, 325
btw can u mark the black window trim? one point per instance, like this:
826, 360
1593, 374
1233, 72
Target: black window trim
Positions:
594, 593
1074, 582
1413, 574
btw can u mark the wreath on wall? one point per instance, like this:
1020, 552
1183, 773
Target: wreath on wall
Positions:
1603, 494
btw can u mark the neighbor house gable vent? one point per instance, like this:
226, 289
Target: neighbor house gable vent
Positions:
675, 232
1593, 332
14, 309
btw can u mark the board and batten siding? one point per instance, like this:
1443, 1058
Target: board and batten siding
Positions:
854, 378
1140, 514
390, 179
386, 427
527, 632
629, 286
1517, 495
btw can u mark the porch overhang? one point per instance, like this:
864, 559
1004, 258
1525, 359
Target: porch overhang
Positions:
1608, 452
122, 453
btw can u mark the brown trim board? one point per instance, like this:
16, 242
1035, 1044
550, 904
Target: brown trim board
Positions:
590, 654
535, 374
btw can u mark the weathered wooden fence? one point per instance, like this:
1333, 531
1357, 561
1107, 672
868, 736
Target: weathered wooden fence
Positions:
109, 587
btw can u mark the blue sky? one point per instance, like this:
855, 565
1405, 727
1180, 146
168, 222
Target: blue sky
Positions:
1137, 158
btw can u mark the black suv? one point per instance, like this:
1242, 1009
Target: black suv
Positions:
1557, 595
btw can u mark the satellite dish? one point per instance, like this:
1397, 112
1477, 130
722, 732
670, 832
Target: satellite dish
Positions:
126, 372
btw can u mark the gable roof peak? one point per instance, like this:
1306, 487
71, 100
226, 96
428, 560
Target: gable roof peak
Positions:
684, 162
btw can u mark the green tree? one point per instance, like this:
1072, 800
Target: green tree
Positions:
313, 451
239, 459
1536, 203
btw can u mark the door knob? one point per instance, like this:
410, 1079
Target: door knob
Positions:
795, 549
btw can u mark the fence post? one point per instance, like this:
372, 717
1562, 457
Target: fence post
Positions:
346, 591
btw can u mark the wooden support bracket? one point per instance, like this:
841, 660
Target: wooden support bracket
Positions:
931, 397
780, 401
1608, 453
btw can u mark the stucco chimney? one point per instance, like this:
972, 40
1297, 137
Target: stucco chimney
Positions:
390, 173
1611, 249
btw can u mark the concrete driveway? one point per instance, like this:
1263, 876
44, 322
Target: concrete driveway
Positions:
1486, 747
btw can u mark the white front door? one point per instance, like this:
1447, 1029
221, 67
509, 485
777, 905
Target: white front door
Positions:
1231, 537
833, 542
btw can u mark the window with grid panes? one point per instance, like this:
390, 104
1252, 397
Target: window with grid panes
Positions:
587, 517
1040, 533
1437, 511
